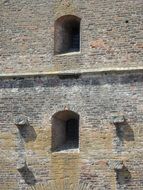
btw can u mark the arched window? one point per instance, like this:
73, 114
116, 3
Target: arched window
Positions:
67, 34
65, 130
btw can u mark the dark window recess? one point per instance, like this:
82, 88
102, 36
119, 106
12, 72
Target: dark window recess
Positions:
65, 131
72, 131
67, 34
75, 39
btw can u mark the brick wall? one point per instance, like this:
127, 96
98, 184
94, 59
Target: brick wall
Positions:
111, 35
98, 99
109, 104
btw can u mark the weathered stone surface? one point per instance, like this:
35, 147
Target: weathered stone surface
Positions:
118, 119
20, 165
111, 36
94, 98
111, 39
21, 121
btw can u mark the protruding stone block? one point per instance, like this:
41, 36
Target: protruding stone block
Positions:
117, 119
21, 165
21, 120
115, 164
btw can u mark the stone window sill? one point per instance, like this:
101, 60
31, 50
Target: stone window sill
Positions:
74, 150
68, 54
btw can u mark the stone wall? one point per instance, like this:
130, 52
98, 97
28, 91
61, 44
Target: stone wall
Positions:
111, 35
109, 104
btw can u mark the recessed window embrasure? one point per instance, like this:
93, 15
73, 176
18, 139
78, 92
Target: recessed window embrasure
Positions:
67, 34
65, 130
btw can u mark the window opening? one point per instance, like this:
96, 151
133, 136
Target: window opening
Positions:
67, 34
65, 131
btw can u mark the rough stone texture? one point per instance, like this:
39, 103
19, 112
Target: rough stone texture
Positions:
116, 119
21, 121
111, 36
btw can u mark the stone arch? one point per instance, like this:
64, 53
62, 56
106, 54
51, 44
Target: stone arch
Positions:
65, 130
67, 34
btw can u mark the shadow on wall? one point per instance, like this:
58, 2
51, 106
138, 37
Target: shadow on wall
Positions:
124, 131
28, 133
123, 176
27, 175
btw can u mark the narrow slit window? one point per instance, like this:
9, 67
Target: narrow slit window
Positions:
67, 34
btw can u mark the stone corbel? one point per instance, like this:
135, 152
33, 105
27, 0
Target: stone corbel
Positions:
21, 121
